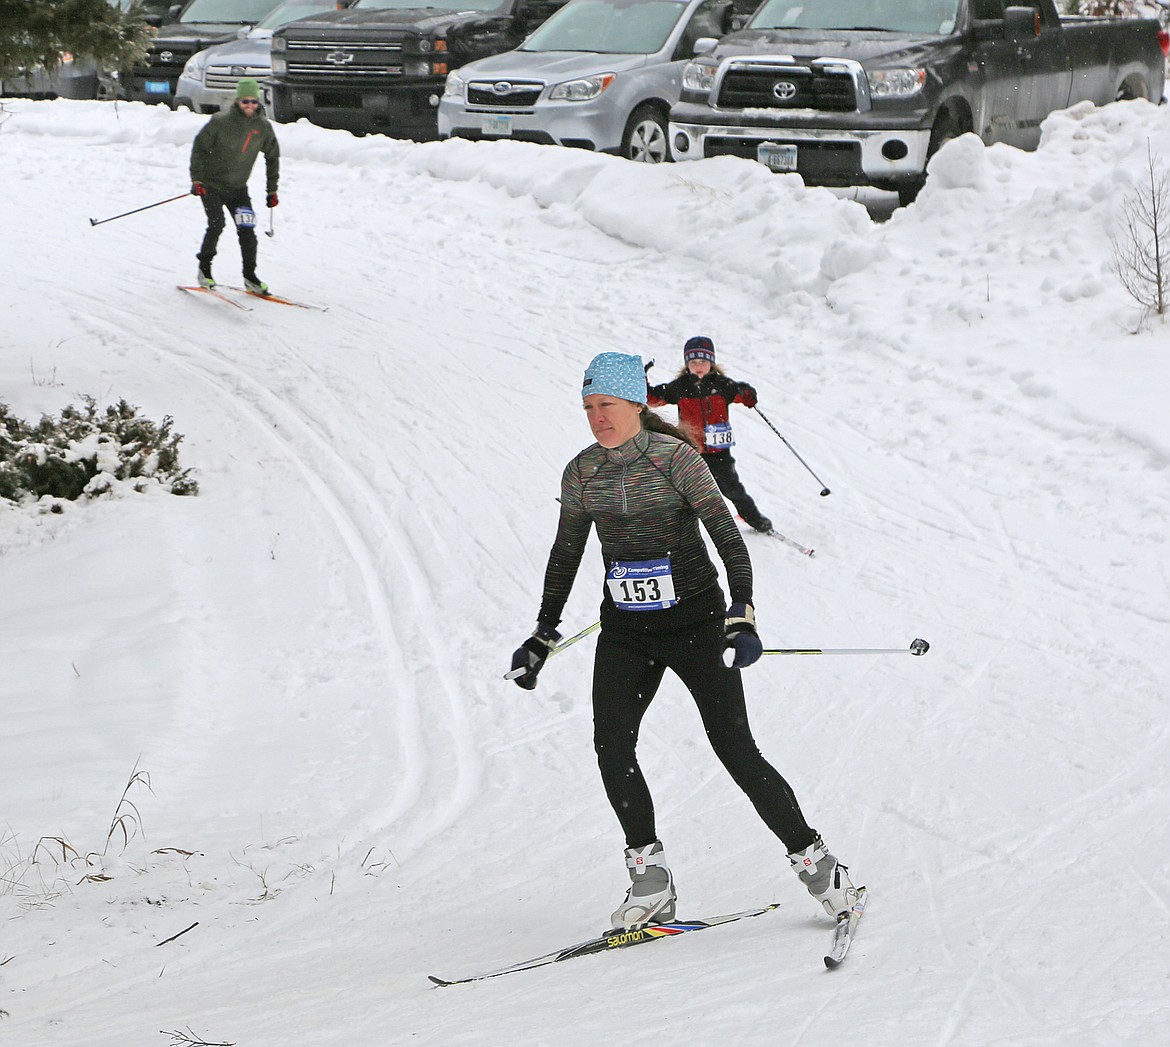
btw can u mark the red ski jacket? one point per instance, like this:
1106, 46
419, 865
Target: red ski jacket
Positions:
703, 402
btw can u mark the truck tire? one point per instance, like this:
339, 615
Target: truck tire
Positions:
644, 139
945, 128
1132, 88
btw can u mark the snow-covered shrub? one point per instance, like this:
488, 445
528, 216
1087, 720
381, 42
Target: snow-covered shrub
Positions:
84, 451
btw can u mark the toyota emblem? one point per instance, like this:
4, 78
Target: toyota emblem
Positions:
502, 87
339, 57
784, 90
166, 56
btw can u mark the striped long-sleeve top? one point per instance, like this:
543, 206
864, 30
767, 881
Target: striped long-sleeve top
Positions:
646, 499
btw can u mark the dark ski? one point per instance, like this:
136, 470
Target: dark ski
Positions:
843, 934
773, 533
789, 541
610, 941
213, 293
278, 299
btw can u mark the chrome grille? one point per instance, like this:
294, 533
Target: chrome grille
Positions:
225, 77
368, 61
387, 44
348, 72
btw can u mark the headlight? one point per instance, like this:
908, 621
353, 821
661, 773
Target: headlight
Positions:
279, 43
896, 83
454, 87
582, 90
193, 70
699, 76
279, 65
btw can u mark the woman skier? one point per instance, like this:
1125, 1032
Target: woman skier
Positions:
662, 608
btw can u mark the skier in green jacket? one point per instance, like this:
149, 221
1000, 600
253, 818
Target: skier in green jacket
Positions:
222, 157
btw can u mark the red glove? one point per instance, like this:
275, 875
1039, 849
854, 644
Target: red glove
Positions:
748, 395
273, 199
198, 189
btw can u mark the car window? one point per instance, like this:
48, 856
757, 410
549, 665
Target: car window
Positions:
895, 16
437, 5
244, 12
608, 27
291, 10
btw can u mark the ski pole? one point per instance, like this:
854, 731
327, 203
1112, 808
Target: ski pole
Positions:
824, 490
169, 200
516, 673
271, 230
917, 647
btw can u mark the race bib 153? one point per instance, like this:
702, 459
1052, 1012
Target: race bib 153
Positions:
641, 585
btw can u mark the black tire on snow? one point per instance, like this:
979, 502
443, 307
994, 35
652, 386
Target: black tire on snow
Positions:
644, 139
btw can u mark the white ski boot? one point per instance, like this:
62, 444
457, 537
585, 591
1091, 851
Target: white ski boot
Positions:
826, 878
651, 896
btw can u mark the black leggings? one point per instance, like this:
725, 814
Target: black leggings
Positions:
722, 466
215, 201
626, 674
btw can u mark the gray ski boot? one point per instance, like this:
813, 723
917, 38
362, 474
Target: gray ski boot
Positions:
826, 878
651, 896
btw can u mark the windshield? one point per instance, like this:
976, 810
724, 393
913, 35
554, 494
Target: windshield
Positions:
936, 17
291, 10
242, 12
428, 5
610, 27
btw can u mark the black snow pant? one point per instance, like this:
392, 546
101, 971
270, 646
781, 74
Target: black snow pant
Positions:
627, 671
722, 467
235, 202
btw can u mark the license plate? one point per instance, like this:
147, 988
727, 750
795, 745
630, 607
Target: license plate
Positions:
158, 87
777, 157
496, 125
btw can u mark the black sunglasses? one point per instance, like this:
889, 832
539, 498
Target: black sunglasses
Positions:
249, 101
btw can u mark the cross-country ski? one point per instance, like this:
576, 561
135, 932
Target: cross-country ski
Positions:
211, 292
609, 942
268, 296
843, 933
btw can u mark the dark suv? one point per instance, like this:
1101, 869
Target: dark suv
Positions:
380, 65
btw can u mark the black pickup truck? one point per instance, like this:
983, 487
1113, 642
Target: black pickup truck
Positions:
864, 92
380, 65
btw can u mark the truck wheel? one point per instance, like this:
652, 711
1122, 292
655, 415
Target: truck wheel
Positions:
1131, 89
945, 128
645, 137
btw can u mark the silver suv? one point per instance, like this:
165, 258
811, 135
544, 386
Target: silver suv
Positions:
599, 74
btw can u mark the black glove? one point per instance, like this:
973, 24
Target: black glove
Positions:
531, 655
748, 394
198, 189
740, 630
273, 199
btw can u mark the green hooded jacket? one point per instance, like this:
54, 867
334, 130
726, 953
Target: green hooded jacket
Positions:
225, 150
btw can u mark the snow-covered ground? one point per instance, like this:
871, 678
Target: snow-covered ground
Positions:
298, 672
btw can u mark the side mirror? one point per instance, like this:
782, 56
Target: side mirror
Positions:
173, 12
1021, 23
705, 45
